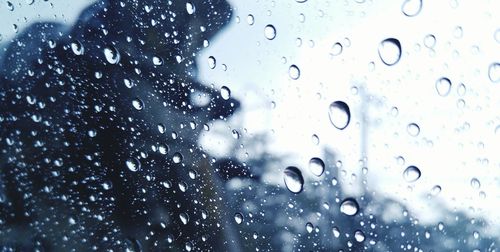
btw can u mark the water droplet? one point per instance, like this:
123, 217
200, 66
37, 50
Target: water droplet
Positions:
225, 93
496, 35
161, 128
190, 8
411, 174
10, 6
163, 149
212, 62
128, 83
413, 129
316, 166
184, 218
92, 133
293, 179
238, 218
411, 8
112, 55
133, 164
389, 51
157, 61
435, 190
270, 32
443, 86
177, 158
315, 139
359, 236
29, 2
430, 41
300, 1
77, 47
340, 114
309, 227
475, 184
337, 49
294, 72
138, 104
336, 232
349, 207
494, 72
250, 19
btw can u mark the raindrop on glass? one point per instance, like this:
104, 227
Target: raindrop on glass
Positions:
225, 93
238, 218
389, 51
157, 61
190, 8
430, 41
411, 8
293, 179
250, 19
112, 55
77, 47
177, 158
138, 104
443, 86
411, 174
309, 227
337, 49
133, 164
184, 218
270, 32
349, 207
494, 72
294, 72
359, 236
413, 129
340, 114
316, 166
475, 184
212, 62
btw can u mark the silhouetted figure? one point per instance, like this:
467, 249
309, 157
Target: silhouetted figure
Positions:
99, 124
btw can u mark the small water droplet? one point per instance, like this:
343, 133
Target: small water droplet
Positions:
309, 227
411, 8
177, 158
435, 190
212, 62
238, 218
137, 104
359, 236
413, 129
411, 174
336, 232
225, 93
184, 217
349, 207
133, 164
293, 179
161, 128
389, 51
294, 72
250, 19
494, 72
77, 47
316, 166
430, 41
443, 86
190, 8
337, 49
270, 32
475, 184
300, 1
157, 61
315, 139
340, 114
112, 55
92, 133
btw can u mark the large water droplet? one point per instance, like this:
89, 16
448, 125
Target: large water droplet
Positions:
157, 61
250, 19
359, 236
133, 164
238, 218
212, 62
411, 8
316, 166
184, 218
309, 227
411, 174
443, 86
77, 47
336, 232
137, 104
340, 114
294, 72
413, 129
190, 8
389, 51
270, 32
293, 179
177, 158
494, 72
349, 207
225, 93
112, 55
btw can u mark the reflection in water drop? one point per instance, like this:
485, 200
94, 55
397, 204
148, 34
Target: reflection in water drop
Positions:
157, 61
138, 104
316, 166
411, 8
112, 55
77, 47
349, 207
177, 158
184, 218
294, 72
494, 72
336, 232
225, 93
293, 179
238, 218
443, 86
389, 51
413, 129
340, 114
411, 174
190, 8
133, 164
270, 32
359, 236
309, 227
